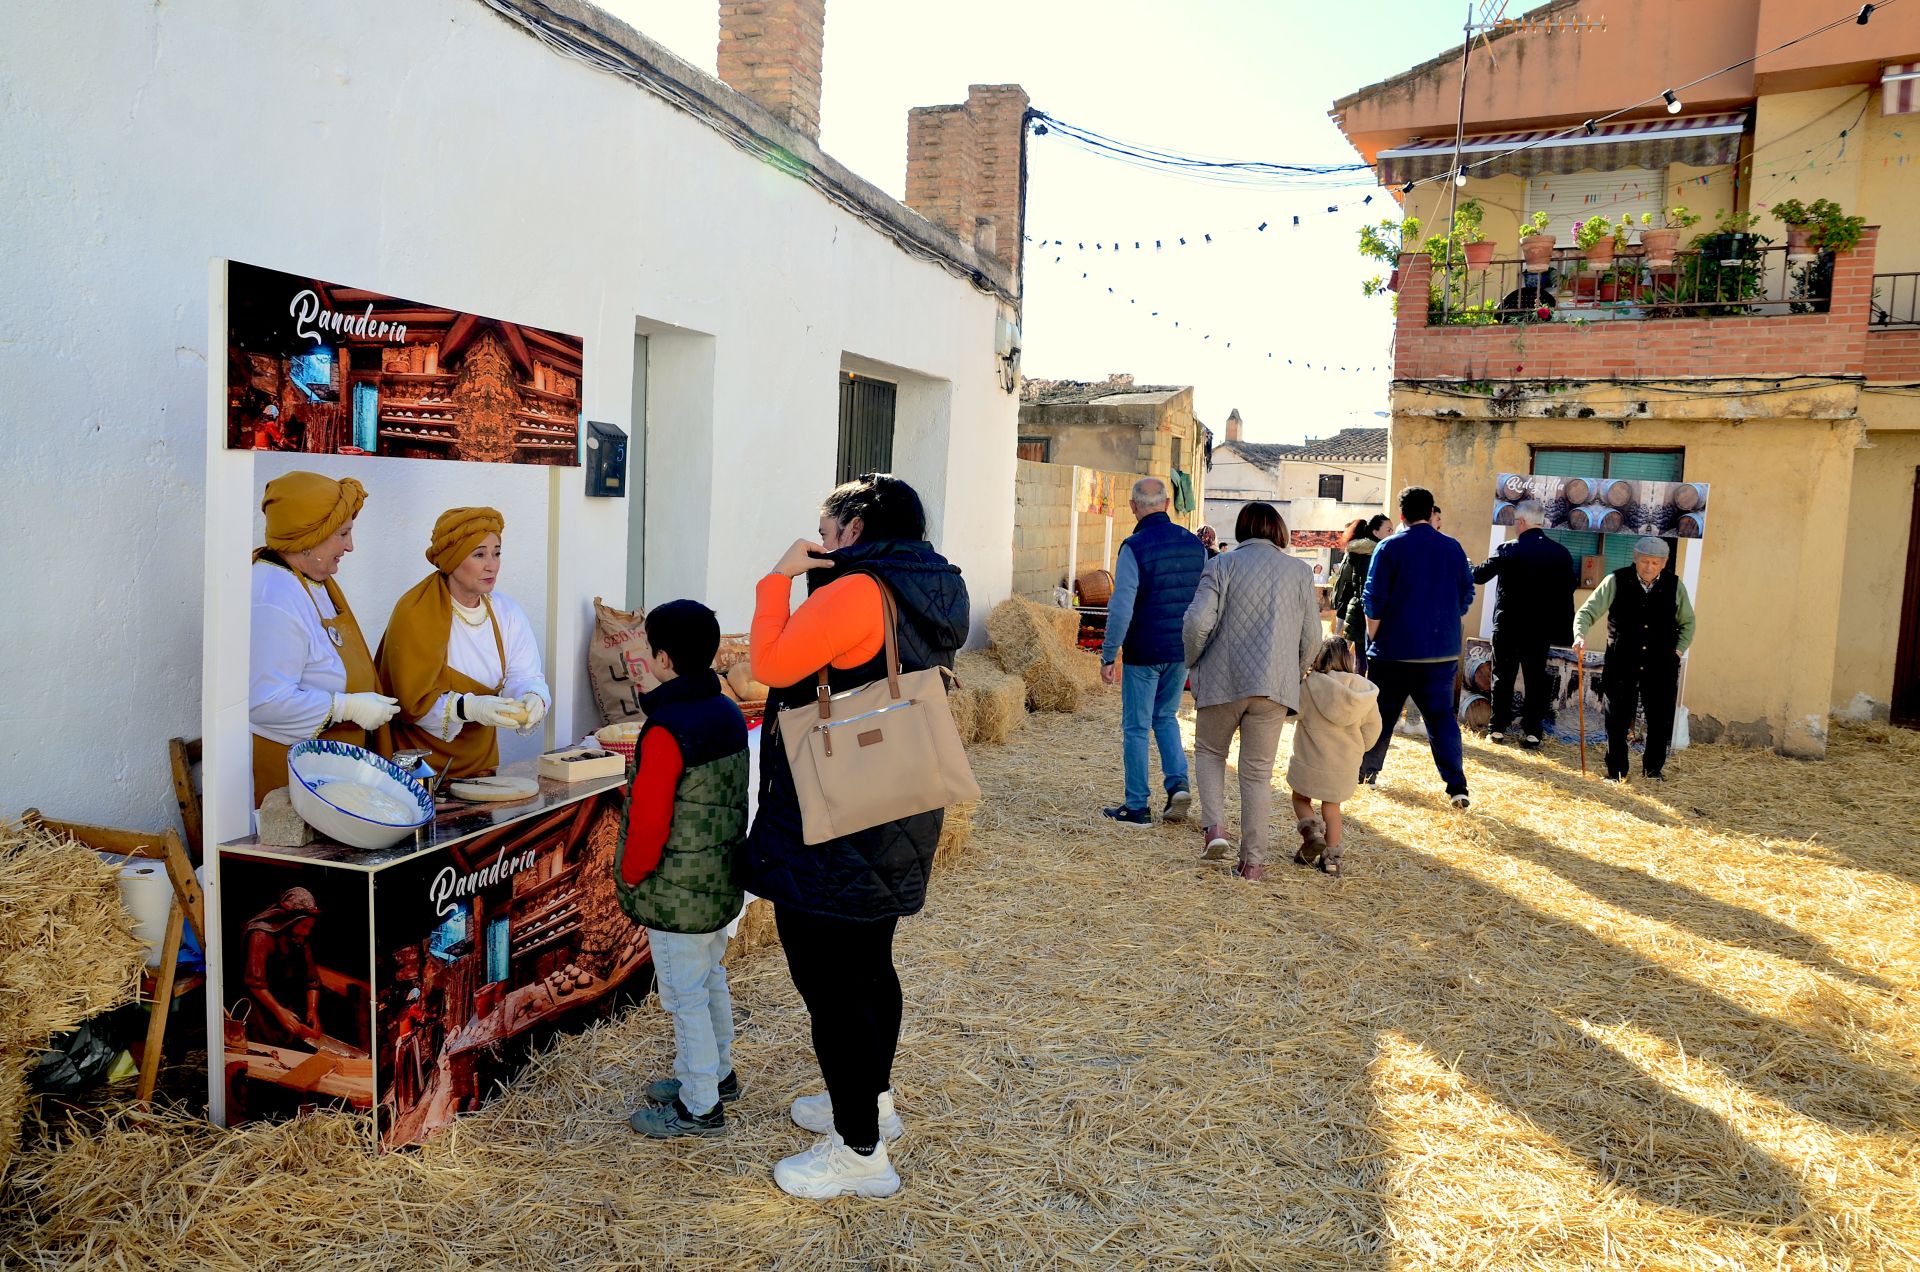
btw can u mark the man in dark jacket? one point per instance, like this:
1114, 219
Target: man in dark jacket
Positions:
1155, 575
1418, 589
1532, 611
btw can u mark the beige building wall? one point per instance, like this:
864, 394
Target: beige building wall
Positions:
1879, 526
1762, 669
1042, 521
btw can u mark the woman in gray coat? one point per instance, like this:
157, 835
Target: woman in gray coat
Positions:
1250, 635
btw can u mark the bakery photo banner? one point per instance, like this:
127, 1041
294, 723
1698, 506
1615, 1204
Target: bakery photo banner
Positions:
1606, 505
326, 369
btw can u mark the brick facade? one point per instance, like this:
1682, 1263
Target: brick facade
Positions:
968, 162
1833, 343
770, 50
1893, 355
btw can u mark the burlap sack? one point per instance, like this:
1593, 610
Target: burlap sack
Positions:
617, 635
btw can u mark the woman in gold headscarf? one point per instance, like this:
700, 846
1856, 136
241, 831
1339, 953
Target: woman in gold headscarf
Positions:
311, 673
459, 656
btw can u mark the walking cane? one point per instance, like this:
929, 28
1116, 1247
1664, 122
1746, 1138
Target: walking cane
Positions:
1581, 654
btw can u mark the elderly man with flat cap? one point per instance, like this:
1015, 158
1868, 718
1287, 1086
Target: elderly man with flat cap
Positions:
1649, 625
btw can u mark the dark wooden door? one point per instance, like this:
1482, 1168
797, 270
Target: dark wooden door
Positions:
1906, 663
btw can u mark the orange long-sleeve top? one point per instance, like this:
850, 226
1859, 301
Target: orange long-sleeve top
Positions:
842, 625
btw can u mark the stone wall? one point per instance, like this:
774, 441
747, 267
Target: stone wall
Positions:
1042, 517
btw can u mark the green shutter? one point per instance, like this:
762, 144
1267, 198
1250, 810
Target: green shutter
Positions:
1550, 463
1645, 465
1578, 542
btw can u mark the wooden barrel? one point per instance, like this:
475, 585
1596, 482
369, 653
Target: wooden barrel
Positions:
1476, 710
1693, 525
1615, 493
1503, 514
1578, 490
1513, 488
1480, 670
1096, 587
1596, 519
1687, 496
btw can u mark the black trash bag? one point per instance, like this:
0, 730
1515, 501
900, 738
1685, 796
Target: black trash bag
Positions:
81, 1058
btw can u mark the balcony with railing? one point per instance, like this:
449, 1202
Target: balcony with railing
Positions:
1735, 309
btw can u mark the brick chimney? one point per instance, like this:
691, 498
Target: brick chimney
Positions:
1233, 425
967, 164
770, 50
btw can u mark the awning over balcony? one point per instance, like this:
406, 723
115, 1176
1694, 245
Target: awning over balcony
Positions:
1704, 141
1900, 89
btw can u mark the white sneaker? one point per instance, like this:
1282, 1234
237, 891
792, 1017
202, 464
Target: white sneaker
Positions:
815, 1113
831, 1169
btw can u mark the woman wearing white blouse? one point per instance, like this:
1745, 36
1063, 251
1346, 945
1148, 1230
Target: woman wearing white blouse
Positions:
461, 658
310, 673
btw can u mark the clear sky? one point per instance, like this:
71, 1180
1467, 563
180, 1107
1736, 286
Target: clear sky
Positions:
1244, 79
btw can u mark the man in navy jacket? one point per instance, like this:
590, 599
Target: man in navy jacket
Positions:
1532, 611
1156, 573
1418, 589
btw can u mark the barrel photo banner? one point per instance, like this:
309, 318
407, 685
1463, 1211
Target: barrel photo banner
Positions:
1604, 505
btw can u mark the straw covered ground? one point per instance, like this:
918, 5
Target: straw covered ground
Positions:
1579, 1026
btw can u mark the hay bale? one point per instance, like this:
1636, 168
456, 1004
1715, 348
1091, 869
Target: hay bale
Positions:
956, 832
994, 703
756, 930
14, 1100
67, 949
1038, 644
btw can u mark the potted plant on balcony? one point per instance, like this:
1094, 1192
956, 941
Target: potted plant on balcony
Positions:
1474, 243
1735, 242
1384, 242
1663, 244
1536, 243
1594, 236
1819, 227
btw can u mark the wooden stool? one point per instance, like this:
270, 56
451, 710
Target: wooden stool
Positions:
159, 986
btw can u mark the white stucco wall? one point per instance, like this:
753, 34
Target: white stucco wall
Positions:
430, 151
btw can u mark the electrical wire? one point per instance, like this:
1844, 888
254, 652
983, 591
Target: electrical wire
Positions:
1264, 173
1852, 15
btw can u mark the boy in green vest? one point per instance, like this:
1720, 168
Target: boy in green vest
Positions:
686, 817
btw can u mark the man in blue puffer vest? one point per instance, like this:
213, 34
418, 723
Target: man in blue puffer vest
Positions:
1155, 576
1418, 589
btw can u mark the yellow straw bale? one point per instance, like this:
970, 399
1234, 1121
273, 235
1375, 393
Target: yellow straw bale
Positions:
1036, 642
67, 949
994, 703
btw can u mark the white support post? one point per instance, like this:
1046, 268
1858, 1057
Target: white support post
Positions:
1493, 587
226, 620
1106, 553
1073, 530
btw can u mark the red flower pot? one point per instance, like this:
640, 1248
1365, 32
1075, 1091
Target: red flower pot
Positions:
1537, 251
1480, 255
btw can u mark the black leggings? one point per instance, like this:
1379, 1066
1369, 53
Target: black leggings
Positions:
843, 969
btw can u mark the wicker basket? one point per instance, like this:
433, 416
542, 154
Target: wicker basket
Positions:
1095, 588
623, 749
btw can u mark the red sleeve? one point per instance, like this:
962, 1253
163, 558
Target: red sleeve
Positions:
842, 624
650, 805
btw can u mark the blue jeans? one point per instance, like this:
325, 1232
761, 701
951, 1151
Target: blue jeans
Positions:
693, 990
1430, 685
1150, 703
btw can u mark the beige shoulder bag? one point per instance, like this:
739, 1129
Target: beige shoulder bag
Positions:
875, 754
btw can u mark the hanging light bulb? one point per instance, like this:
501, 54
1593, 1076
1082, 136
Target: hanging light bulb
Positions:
1866, 11
1460, 177
1592, 128
1673, 103
1407, 188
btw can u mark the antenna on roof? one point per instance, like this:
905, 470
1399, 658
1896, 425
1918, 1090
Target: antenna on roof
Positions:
1491, 14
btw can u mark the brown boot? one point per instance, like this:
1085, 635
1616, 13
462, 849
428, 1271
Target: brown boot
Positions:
1313, 840
1330, 858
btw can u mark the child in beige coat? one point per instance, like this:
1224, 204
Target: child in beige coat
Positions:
1339, 720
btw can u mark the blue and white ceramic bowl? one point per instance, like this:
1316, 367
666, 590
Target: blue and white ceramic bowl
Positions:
316, 764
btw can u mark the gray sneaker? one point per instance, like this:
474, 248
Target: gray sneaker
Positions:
672, 1121
1178, 802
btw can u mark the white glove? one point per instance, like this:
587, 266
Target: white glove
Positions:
484, 708
536, 711
368, 710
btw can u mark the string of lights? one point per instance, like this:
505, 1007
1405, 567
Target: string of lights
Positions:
1271, 174
1203, 333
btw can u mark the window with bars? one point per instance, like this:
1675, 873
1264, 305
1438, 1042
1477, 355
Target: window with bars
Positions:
1333, 486
866, 427
1637, 465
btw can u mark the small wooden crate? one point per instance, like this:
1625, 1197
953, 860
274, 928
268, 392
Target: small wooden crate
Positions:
580, 764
